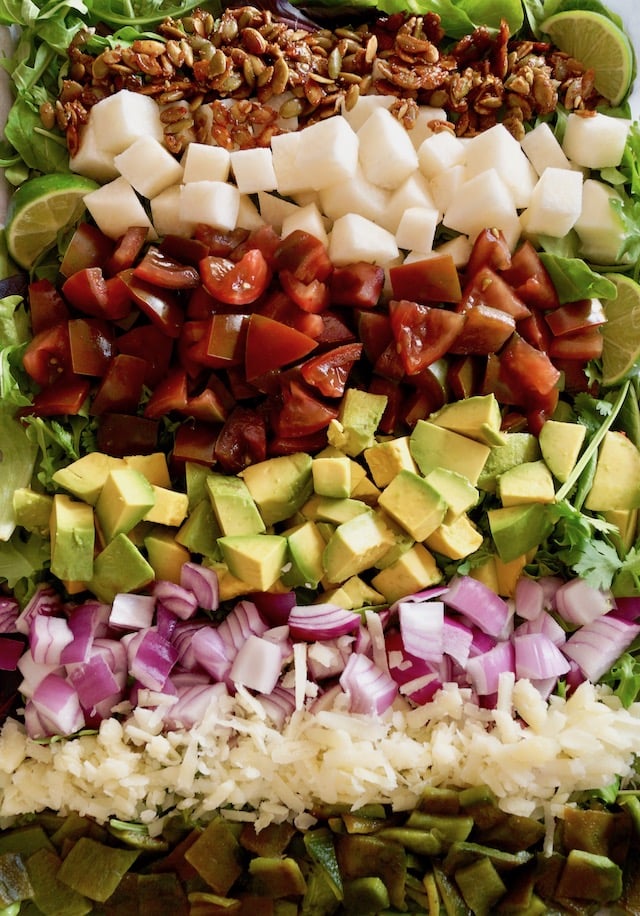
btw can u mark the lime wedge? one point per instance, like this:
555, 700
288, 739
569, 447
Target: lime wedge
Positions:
621, 348
40, 209
598, 43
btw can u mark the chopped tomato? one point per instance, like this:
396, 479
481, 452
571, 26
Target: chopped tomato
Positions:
423, 333
88, 247
242, 440
65, 396
202, 304
583, 345
302, 414
432, 279
530, 279
127, 250
485, 330
374, 330
464, 376
161, 269
334, 331
541, 410
359, 285
280, 307
329, 371
213, 404
390, 364
264, 238
310, 297
486, 287
46, 305
47, 356
490, 249
160, 306
394, 413
195, 442
272, 345
148, 343
535, 330
226, 340
576, 316
574, 377
236, 283
86, 290
291, 445
121, 387
530, 372
170, 394
184, 250
121, 434
218, 242
119, 301
92, 345
304, 256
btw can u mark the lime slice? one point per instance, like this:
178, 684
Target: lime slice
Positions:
40, 209
621, 349
598, 43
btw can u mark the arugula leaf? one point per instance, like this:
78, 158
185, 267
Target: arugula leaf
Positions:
574, 279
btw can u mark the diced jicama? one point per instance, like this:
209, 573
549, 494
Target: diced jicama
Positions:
121, 118
166, 215
215, 203
417, 228
482, 201
556, 203
354, 238
595, 140
253, 170
309, 219
115, 207
413, 192
248, 214
443, 186
202, 162
497, 149
327, 153
91, 158
274, 209
439, 152
421, 127
290, 177
599, 227
387, 155
459, 248
148, 166
355, 195
543, 150
364, 107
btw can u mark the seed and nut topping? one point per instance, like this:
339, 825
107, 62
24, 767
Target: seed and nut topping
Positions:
233, 80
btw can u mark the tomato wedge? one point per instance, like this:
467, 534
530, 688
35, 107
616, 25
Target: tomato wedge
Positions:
423, 333
432, 279
329, 371
272, 345
121, 387
47, 356
236, 283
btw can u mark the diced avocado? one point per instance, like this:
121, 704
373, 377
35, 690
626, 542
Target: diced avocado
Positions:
366, 491
120, 567
165, 554
414, 504
170, 507
458, 493
560, 444
233, 505
125, 498
487, 574
154, 467
402, 541
85, 477
357, 422
229, 586
530, 482
455, 540
353, 594
386, 459
332, 476
616, 482
279, 486
517, 529
306, 546
436, 447
519, 447
73, 535
507, 574
414, 570
257, 559
336, 511
200, 531
477, 417
355, 546
356, 470
196, 482
626, 521
32, 510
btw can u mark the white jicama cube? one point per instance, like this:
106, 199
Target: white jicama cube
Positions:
364, 107
481, 202
443, 186
123, 117
148, 166
354, 238
116, 207
327, 153
309, 219
543, 150
595, 140
202, 162
417, 228
387, 155
290, 178
497, 149
599, 227
248, 214
421, 128
413, 192
440, 152
92, 159
253, 170
459, 248
556, 202
165, 214
215, 203
274, 209
355, 195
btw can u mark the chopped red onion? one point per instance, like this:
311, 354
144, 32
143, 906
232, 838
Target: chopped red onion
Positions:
115, 654
322, 621
211, 652
363, 641
529, 597
422, 629
94, 681
597, 645
481, 642
243, 621
43, 601
33, 724
484, 671
538, 658
279, 704
456, 640
180, 601
425, 595
166, 621
257, 665
417, 679
132, 612
9, 611
327, 657
33, 672
578, 602
151, 658
627, 608
48, 636
86, 621
58, 706
550, 585
182, 639
545, 624
375, 629
10, 651
192, 705
479, 604
203, 583
280, 636
274, 607
370, 690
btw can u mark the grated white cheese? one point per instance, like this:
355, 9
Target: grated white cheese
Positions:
532, 753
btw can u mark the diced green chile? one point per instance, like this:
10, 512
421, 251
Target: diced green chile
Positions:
216, 856
481, 886
94, 869
50, 895
14, 879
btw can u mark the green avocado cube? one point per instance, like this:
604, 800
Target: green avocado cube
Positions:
561, 444
279, 486
518, 448
306, 546
357, 422
120, 567
256, 559
73, 534
530, 482
414, 504
125, 498
616, 482
356, 545
332, 476
458, 493
477, 417
436, 447
518, 529
386, 459
233, 505
85, 477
